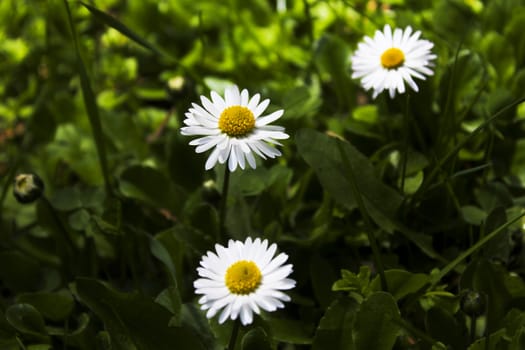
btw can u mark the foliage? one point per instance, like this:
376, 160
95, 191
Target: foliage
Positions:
391, 210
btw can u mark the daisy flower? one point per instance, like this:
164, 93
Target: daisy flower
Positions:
389, 60
241, 279
234, 127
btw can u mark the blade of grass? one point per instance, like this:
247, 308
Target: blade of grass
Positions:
473, 249
127, 32
123, 29
90, 104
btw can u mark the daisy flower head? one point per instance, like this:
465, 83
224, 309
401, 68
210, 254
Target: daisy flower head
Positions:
388, 60
243, 278
234, 127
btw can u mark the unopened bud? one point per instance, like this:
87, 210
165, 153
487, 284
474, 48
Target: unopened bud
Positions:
473, 303
28, 188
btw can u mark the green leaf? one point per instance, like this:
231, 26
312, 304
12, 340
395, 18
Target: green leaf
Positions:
322, 277
151, 186
79, 220
374, 326
26, 319
169, 297
55, 306
256, 339
473, 215
497, 342
358, 285
290, 331
322, 154
134, 321
331, 56
335, 328
401, 283
19, 272
194, 318
442, 326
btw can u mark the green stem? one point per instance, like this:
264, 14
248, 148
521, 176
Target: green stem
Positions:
369, 227
233, 337
473, 320
91, 106
404, 155
224, 203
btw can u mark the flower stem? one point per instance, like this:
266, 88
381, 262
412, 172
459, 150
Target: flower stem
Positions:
473, 321
224, 203
404, 154
233, 337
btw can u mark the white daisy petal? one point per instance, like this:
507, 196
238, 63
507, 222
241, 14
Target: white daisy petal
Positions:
269, 118
250, 279
218, 101
232, 96
390, 59
244, 97
233, 129
261, 108
210, 107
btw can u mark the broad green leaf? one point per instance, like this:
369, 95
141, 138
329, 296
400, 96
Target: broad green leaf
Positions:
366, 113
40, 347
79, 220
151, 186
55, 306
335, 328
473, 215
442, 326
169, 297
19, 272
26, 319
401, 283
9, 344
375, 317
322, 277
499, 247
256, 339
133, 321
331, 56
497, 341
194, 318
322, 154
290, 331
301, 102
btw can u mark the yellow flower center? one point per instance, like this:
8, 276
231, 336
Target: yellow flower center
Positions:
392, 58
243, 277
236, 121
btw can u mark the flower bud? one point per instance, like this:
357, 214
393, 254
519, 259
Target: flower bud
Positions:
474, 303
28, 188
